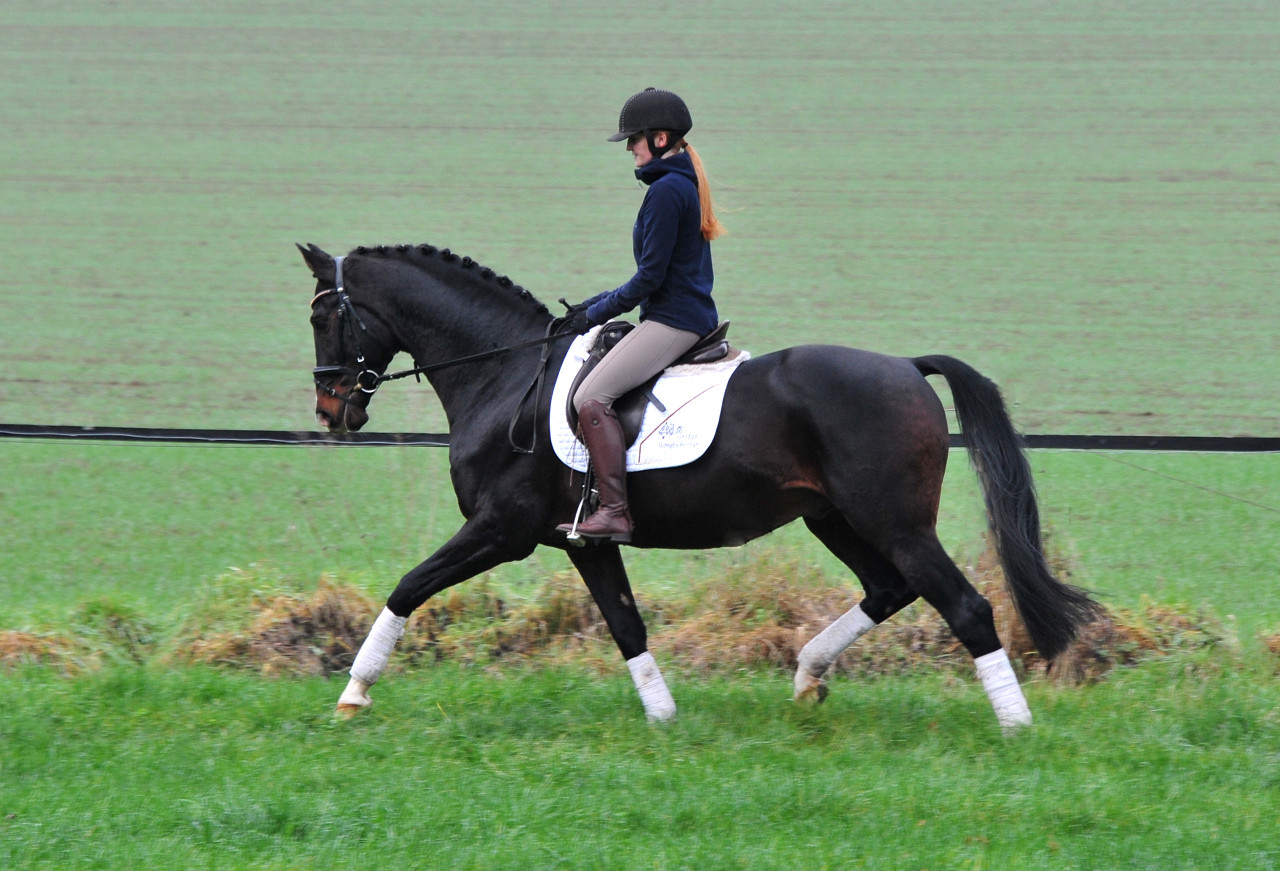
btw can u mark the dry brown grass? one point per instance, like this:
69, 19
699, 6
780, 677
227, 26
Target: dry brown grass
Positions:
30, 648
288, 634
1120, 637
477, 625
296, 633
765, 613
759, 614
99, 631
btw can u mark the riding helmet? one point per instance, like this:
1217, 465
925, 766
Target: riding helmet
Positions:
653, 109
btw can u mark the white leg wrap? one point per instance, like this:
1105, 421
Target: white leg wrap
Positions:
824, 648
376, 650
658, 704
1002, 688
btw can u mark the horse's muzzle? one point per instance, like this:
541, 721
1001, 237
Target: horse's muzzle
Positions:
339, 414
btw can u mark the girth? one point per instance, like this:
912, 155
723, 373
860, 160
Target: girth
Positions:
630, 406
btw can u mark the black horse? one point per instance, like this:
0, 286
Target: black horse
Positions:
853, 442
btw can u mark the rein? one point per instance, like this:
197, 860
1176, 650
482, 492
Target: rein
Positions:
368, 381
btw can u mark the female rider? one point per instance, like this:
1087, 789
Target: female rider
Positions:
672, 286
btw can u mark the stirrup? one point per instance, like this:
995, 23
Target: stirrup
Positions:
572, 535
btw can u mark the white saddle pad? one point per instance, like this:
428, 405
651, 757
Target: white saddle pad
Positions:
692, 396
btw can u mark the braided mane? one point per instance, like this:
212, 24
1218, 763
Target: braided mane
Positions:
462, 265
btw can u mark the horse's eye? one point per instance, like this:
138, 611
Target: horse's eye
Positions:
319, 323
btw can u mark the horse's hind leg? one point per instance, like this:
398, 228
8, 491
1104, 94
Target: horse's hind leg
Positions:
886, 590
602, 570
931, 573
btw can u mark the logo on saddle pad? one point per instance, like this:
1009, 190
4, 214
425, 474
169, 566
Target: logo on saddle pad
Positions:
674, 421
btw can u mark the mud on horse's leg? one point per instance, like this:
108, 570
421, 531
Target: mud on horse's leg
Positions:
480, 545
605, 576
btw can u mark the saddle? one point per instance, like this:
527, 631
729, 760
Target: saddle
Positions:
630, 406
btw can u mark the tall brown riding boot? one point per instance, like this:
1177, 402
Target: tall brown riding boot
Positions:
602, 434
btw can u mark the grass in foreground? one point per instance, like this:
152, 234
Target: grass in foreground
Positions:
1170, 765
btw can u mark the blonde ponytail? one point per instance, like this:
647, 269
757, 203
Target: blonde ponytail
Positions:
711, 228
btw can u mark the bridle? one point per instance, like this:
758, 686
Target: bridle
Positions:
368, 381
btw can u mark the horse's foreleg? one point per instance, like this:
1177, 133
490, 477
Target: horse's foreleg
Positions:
480, 545
370, 661
602, 570
887, 593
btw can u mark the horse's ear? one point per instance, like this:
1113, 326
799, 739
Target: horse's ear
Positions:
320, 263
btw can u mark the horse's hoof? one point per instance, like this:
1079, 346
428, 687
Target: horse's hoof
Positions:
810, 690
814, 695
354, 698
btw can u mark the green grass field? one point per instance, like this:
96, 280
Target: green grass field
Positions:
1159, 768
1079, 200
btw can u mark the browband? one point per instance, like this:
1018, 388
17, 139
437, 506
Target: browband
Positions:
337, 279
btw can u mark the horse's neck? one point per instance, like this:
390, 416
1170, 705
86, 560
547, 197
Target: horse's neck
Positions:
437, 334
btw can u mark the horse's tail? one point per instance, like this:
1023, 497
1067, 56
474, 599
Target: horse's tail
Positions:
1052, 611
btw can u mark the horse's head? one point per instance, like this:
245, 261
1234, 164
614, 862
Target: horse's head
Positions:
353, 346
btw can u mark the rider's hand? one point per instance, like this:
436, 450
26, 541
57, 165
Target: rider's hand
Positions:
576, 320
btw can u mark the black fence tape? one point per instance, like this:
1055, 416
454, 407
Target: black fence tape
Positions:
1206, 444
1203, 444
222, 436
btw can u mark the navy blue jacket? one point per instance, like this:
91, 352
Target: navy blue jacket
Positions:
673, 279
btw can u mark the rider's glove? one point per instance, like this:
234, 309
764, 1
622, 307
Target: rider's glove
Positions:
576, 320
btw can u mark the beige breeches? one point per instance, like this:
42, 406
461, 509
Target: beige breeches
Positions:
642, 353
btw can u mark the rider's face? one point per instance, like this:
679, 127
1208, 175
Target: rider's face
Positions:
639, 147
